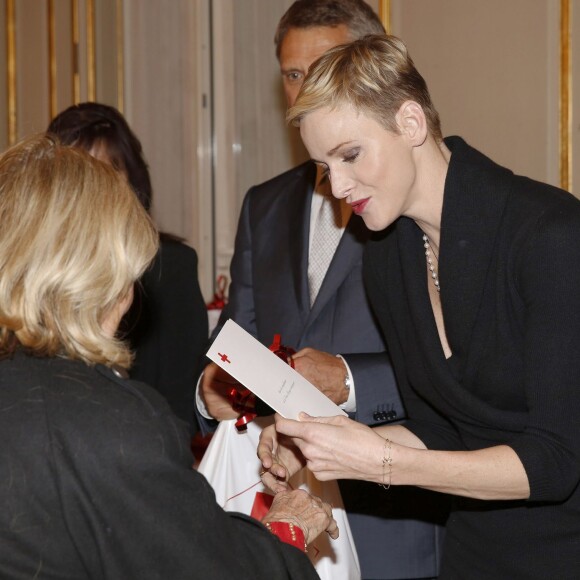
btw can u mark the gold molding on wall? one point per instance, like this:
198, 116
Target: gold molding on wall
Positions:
565, 97
91, 60
76, 75
11, 69
385, 14
120, 61
52, 81
59, 83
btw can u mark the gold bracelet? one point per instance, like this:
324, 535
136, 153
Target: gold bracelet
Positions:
288, 533
387, 460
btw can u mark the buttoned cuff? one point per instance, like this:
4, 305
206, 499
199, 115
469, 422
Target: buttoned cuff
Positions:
199, 401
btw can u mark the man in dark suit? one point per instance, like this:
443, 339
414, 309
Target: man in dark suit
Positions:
325, 316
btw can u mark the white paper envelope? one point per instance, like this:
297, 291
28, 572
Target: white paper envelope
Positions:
267, 376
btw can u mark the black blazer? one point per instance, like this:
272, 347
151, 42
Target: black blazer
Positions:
168, 328
509, 256
97, 483
269, 289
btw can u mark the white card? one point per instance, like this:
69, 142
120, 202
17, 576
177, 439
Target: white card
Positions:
268, 376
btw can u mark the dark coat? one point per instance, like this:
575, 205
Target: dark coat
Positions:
96, 482
510, 294
168, 328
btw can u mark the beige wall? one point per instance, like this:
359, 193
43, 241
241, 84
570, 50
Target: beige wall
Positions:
492, 68
47, 60
200, 86
492, 71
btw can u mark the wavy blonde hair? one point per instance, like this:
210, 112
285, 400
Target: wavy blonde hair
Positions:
73, 241
375, 75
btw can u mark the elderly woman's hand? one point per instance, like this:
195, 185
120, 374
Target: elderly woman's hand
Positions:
308, 512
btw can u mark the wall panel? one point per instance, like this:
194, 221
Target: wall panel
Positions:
64, 55
106, 52
58, 47
168, 104
32, 66
492, 71
252, 142
199, 82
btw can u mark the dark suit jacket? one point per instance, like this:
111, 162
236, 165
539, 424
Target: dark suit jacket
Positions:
269, 295
96, 482
269, 289
509, 257
168, 328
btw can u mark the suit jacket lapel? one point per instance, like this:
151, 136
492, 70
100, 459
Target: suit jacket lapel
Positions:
475, 198
476, 194
414, 283
299, 209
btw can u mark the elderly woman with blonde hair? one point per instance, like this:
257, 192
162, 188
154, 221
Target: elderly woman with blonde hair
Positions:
96, 478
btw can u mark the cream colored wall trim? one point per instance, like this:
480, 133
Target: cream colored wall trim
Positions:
167, 102
224, 136
565, 96
202, 220
11, 69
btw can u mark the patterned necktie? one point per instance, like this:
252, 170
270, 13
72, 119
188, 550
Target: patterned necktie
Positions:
325, 239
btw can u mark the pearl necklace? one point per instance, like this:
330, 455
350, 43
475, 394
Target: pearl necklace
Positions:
428, 250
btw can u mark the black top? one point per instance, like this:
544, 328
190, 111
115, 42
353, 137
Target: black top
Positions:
168, 328
269, 295
510, 293
96, 482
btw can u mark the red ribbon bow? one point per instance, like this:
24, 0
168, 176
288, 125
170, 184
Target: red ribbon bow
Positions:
243, 400
219, 298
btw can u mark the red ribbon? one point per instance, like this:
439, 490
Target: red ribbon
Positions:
243, 400
262, 504
281, 351
219, 298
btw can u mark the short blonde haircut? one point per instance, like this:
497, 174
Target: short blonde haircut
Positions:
375, 75
73, 241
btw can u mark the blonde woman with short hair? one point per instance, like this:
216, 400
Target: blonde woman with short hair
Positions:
473, 275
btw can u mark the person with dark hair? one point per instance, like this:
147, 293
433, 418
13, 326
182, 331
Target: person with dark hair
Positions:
96, 470
473, 275
297, 271
167, 323
103, 131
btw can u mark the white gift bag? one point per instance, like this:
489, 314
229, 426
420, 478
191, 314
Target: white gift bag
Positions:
231, 466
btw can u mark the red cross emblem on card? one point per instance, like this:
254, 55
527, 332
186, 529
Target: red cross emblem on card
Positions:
224, 357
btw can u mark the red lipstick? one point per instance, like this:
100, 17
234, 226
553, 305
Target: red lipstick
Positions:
359, 206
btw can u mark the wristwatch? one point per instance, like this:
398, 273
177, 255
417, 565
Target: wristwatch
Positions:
347, 382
